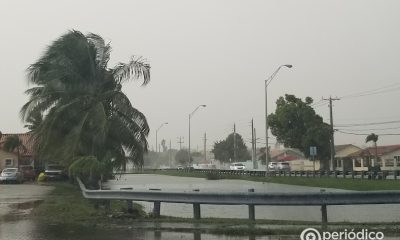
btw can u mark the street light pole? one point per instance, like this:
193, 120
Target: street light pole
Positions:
267, 82
157, 149
190, 116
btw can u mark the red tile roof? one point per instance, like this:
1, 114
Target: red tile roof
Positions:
381, 150
25, 138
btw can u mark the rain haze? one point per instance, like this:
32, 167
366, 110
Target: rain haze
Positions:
219, 53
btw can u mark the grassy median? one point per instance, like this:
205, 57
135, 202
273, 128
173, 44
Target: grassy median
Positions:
323, 182
65, 206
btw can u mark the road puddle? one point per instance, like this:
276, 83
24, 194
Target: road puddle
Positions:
17, 211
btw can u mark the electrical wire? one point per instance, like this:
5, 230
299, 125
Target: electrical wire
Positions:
371, 129
366, 124
366, 134
373, 91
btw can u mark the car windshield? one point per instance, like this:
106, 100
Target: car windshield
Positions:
54, 167
284, 164
10, 170
238, 164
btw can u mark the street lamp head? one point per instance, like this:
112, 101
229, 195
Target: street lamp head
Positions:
203, 105
288, 65
165, 123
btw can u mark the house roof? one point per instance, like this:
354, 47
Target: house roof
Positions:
345, 150
25, 138
381, 150
286, 154
339, 148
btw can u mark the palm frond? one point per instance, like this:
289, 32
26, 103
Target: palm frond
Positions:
135, 69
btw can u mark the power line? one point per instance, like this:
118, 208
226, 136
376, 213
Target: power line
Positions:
366, 124
366, 134
373, 91
371, 129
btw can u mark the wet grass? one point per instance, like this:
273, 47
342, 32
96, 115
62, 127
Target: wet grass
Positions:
65, 206
323, 182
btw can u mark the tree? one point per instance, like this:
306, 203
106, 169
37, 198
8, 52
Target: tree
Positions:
85, 113
224, 150
182, 156
373, 138
13, 143
296, 125
34, 120
163, 145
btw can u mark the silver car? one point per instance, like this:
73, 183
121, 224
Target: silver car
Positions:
11, 175
283, 166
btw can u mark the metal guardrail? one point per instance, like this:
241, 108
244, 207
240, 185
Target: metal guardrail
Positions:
250, 198
336, 174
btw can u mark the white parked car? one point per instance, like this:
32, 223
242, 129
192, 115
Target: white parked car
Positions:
11, 175
279, 166
283, 166
237, 166
273, 166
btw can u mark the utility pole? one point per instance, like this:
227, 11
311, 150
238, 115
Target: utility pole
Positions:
180, 142
253, 150
331, 164
170, 151
255, 147
205, 147
234, 142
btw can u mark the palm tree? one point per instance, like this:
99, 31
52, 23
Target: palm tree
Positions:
374, 138
13, 143
84, 111
34, 120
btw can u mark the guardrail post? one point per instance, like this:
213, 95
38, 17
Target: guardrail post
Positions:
324, 212
107, 205
197, 236
395, 174
352, 174
129, 206
196, 211
157, 209
129, 203
324, 216
252, 215
362, 174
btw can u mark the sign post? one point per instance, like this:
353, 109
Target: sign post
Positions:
313, 153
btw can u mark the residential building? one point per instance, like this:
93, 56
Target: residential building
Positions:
388, 158
25, 154
342, 156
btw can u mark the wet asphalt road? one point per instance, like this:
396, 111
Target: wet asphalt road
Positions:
20, 193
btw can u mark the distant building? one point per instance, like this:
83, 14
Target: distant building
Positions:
286, 154
343, 159
388, 158
10, 159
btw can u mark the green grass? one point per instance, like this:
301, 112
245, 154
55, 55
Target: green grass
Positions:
323, 182
66, 205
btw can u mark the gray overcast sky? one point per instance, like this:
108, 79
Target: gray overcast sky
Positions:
219, 53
